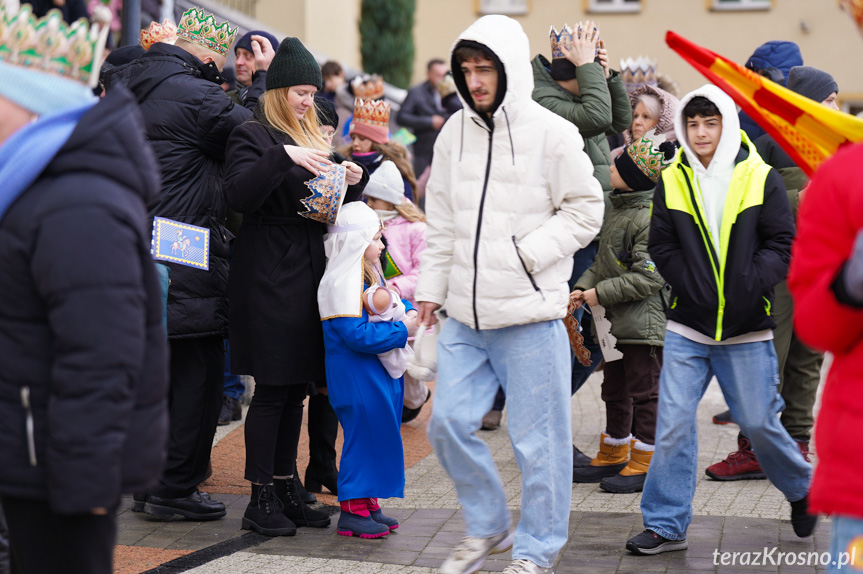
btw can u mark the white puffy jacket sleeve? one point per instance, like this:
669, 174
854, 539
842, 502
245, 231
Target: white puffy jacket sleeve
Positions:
577, 196
437, 258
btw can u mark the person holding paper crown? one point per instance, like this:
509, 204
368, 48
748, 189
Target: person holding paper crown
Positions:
405, 238
624, 280
83, 395
188, 119
720, 235
580, 86
283, 176
371, 144
366, 395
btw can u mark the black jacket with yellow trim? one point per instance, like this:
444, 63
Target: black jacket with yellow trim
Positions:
727, 292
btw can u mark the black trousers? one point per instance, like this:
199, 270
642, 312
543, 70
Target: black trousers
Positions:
273, 424
194, 403
44, 542
630, 391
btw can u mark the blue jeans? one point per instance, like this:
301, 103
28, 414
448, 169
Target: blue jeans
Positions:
581, 262
531, 363
847, 536
748, 376
234, 386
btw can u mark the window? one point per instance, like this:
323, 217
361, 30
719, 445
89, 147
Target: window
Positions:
508, 7
613, 6
742, 4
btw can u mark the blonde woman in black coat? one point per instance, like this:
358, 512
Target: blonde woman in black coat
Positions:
277, 264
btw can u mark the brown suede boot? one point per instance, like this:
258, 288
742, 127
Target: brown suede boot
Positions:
612, 458
632, 477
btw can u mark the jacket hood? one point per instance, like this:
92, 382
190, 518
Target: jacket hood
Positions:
730, 140
505, 38
109, 140
776, 54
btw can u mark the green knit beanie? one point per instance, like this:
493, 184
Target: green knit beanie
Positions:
293, 65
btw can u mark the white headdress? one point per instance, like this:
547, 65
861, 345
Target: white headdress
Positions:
341, 289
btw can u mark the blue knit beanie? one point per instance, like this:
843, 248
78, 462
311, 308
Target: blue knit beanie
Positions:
245, 41
42, 93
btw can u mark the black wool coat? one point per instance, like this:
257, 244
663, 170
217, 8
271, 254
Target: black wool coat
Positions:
188, 119
278, 260
81, 326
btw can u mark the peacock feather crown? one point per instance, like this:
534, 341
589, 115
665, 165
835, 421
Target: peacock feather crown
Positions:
368, 87
50, 45
638, 72
166, 32
372, 112
564, 38
201, 28
328, 194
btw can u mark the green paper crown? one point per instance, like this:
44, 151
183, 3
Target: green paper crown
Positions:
199, 27
50, 45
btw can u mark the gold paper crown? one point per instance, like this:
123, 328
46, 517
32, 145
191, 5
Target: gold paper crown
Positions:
199, 27
49, 45
372, 112
564, 38
638, 72
368, 87
328, 190
447, 85
166, 32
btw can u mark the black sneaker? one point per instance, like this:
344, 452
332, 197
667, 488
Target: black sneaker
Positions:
803, 523
723, 419
196, 506
232, 410
265, 513
297, 510
649, 543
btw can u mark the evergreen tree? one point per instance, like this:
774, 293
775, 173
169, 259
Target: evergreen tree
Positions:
387, 39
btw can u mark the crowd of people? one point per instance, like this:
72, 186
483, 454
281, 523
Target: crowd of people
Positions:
535, 190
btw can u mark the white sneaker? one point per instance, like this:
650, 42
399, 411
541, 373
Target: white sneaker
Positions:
525, 567
470, 554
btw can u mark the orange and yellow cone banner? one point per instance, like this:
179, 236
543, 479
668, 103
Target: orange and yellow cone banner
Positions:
807, 130
855, 10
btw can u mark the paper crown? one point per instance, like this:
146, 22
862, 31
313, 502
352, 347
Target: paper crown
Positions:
368, 87
638, 72
447, 85
564, 38
50, 45
199, 27
166, 32
372, 112
328, 194
652, 153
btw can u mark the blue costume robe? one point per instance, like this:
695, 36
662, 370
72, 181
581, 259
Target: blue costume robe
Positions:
368, 403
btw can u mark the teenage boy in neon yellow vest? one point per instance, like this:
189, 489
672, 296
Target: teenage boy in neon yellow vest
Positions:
720, 234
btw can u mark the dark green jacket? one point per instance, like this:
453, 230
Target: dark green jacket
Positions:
602, 108
626, 280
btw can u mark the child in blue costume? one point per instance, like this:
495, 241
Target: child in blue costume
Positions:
367, 400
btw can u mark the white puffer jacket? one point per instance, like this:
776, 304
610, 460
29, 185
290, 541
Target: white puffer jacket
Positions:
507, 207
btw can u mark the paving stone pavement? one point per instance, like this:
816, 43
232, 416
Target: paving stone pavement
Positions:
742, 516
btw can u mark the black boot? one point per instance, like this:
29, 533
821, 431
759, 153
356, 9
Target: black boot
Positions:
295, 509
265, 513
803, 523
323, 430
305, 495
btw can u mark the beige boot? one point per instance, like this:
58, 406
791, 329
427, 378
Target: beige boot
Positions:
612, 458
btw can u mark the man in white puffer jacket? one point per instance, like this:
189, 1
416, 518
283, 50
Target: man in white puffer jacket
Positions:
511, 197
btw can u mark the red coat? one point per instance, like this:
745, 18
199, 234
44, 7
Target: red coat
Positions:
829, 219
